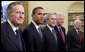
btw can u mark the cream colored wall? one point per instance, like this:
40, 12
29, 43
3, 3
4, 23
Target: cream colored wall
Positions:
52, 7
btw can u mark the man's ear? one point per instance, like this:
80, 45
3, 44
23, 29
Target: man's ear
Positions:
32, 16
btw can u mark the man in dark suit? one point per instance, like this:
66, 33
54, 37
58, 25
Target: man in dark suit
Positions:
12, 40
61, 31
75, 37
51, 41
32, 34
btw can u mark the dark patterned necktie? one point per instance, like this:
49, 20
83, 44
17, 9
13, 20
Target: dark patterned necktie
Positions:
19, 39
54, 34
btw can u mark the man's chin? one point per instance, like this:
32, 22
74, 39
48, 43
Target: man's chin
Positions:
41, 22
61, 24
20, 23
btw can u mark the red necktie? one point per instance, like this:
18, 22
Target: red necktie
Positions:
80, 37
62, 35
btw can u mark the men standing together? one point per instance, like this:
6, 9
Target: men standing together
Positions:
34, 38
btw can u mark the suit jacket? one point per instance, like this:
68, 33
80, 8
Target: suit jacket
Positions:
62, 46
74, 41
32, 39
9, 41
50, 43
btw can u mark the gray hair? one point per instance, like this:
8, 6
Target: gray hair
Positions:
59, 14
9, 8
75, 22
48, 16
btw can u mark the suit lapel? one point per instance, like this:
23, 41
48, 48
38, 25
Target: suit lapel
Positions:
50, 36
75, 34
12, 36
49, 32
63, 30
35, 31
59, 35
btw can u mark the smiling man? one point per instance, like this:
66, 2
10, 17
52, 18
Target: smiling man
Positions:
51, 40
11, 35
61, 31
75, 38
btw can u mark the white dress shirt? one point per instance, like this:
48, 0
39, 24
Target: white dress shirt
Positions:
50, 27
76, 30
13, 27
36, 26
59, 29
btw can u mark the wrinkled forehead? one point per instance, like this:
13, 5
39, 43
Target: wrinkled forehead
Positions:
18, 8
52, 16
61, 17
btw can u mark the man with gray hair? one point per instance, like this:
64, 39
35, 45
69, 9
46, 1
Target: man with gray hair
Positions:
50, 34
61, 31
75, 37
11, 35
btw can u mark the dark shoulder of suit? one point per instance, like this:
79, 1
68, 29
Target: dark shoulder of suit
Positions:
74, 41
32, 39
51, 44
61, 44
9, 41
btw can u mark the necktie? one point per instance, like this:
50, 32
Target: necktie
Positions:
62, 35
54, 34
40, 32
19, 39
80, 37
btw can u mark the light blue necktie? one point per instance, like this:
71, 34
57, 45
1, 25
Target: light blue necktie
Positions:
54, 34
40, 32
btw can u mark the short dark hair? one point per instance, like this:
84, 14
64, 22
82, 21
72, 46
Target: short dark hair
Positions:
34, 10
9, 8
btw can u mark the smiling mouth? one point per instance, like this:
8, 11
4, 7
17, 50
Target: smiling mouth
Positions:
21, 19
42, 19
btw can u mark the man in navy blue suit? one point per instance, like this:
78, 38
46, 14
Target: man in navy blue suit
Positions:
51, 39
11, 35
75, 37
32, 34
61, 31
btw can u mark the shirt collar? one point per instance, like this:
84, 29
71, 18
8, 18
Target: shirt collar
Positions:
36, 26
58, 27
13, 27
50, 27
76, 29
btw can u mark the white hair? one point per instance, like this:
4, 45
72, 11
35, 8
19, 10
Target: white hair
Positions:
59, 14
77, 20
